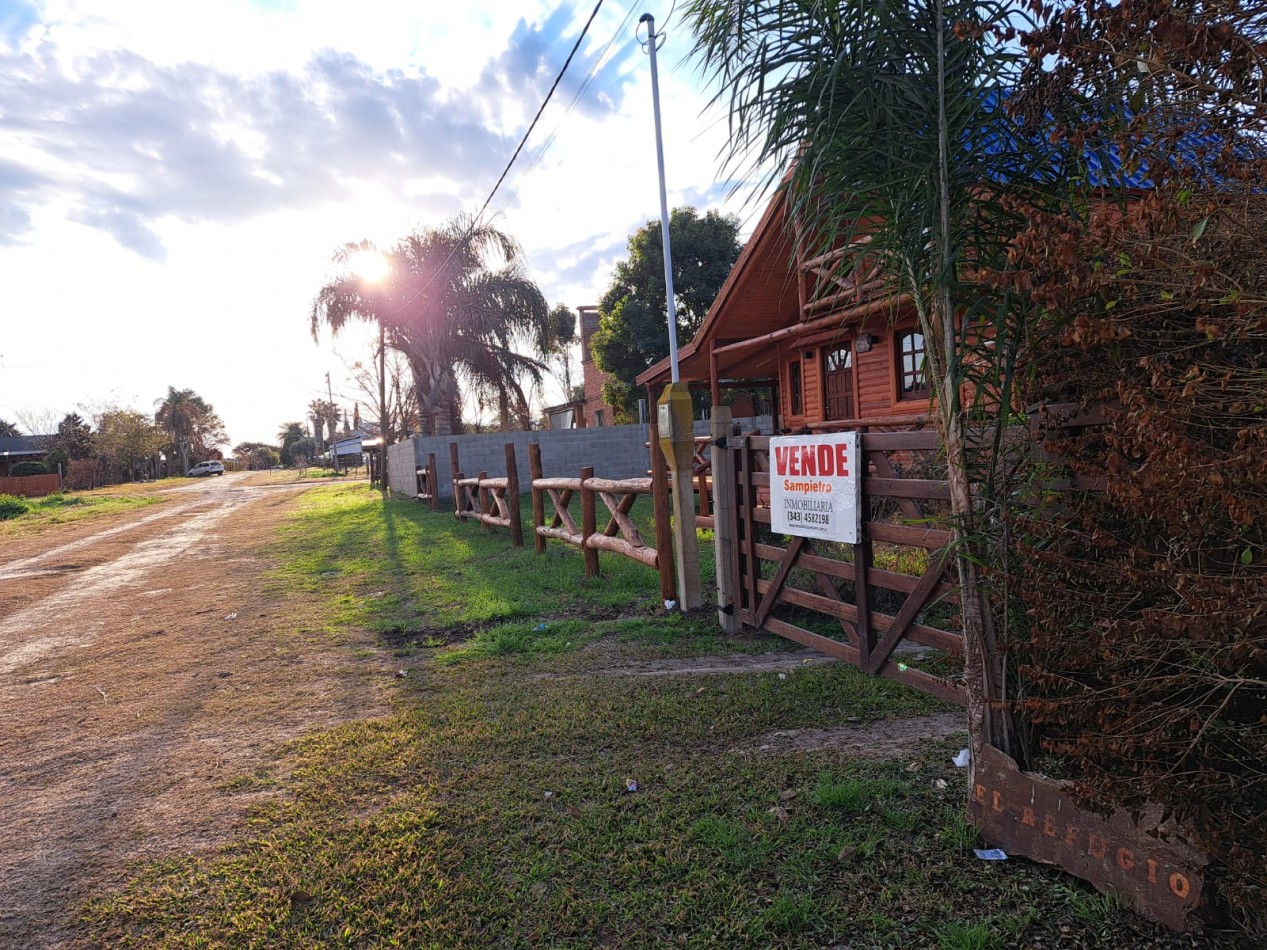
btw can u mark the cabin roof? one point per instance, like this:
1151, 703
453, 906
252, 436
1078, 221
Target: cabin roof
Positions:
758, 297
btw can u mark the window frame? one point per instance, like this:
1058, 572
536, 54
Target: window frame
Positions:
907, 380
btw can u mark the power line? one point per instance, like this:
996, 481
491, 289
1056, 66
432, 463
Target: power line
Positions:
475, 220
557, 79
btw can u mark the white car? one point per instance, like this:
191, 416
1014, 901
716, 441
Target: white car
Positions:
206, 468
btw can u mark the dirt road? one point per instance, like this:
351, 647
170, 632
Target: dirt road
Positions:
143, 666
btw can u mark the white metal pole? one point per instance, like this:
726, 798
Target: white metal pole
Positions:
648, 19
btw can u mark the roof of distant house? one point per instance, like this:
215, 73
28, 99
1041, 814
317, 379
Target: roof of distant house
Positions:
24, 445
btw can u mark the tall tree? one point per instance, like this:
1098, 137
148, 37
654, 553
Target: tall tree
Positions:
324, 416
8, 430
74, 436
287, 436
458, 305
633, 314
126, 441
191, 424
889, 113
257, 455
556, 344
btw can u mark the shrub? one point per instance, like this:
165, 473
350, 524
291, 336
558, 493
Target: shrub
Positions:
28, 468
13, 506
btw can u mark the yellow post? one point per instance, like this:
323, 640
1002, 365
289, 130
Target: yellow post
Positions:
677, 441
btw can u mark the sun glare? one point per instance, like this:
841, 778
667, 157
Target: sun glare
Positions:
369, 265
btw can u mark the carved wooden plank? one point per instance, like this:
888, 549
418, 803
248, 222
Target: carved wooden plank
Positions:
1027, 814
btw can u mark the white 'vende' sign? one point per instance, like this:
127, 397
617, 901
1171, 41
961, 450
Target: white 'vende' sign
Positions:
816, 486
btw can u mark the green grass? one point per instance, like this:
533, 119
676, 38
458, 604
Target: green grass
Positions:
492, 809
403, 570
35, 514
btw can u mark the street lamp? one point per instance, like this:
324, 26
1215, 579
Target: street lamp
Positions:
673, 410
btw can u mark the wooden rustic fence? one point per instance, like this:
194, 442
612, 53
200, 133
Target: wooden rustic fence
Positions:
779, 585
30, 486
494, 502
428, 483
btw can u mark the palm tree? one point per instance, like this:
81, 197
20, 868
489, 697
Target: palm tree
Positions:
458, 306
190, 423
891, 114
8, 430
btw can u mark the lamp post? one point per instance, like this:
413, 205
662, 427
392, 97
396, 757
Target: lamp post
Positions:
673, 410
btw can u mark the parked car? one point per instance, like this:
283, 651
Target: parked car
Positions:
206, 468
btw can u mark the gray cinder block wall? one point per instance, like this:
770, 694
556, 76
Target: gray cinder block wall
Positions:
614, 451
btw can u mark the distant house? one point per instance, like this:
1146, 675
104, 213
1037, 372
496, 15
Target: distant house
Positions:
594, 412
567, 415
22, 448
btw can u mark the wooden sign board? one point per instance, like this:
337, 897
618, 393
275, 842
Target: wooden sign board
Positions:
1035, 817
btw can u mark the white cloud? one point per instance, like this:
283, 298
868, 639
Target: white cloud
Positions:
175, 176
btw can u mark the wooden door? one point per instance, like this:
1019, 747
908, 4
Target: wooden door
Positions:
838, 382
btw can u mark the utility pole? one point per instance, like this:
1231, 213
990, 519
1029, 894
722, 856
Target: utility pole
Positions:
382, 404
334, 442
674, 417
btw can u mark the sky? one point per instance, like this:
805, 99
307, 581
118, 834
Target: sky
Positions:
176, 175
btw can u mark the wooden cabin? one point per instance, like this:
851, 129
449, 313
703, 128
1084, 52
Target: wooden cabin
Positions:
835, 353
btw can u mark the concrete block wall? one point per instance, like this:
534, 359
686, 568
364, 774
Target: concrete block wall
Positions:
614, 451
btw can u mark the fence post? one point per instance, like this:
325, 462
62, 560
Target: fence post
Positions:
433, 476
455, 472
589, 523
512, 497
662, 511
723, 513
486, 503
538, 496
862, 571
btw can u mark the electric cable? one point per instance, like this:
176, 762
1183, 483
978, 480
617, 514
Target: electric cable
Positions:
476, 219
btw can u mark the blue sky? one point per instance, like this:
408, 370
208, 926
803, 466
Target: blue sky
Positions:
174, 177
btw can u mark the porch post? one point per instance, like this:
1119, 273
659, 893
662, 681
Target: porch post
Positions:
723, 517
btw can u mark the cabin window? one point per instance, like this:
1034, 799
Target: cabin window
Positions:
912, 382
794, 387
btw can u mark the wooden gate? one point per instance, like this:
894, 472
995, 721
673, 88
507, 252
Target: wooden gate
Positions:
866, 603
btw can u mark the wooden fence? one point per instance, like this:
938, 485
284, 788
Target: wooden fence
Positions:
30, 486
779, 585
428, 483
494, 502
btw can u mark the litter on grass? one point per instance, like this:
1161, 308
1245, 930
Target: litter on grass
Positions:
962, 759
990, 854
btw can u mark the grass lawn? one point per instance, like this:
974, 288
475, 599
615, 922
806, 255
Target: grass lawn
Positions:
64, 508
494, 809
